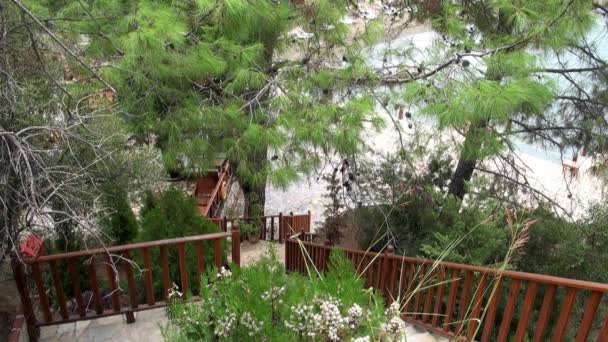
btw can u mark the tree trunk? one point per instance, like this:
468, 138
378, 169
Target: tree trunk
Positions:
467, 161
255, 193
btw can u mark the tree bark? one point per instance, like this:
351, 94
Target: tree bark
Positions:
467, 161
255, 194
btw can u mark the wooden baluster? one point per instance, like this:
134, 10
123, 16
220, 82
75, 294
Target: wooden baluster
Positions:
63, 308
587, 322
271, 228
164, 260
488, 321
451, 300
428, 301
326, 252
128, 267
94, 285
526, 312
112, 278
464, 299
505, 325
439, 298
402, 279
476, 310
24, 295
564, 315
385, 274
74, 276
281, 228
44, 299
602, 336
148, 283
393, 279
183, 271
217, 253
545, 313
410, 287
418, 289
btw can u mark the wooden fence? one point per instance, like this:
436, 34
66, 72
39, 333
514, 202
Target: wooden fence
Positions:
473, 302
274, 227
116, 262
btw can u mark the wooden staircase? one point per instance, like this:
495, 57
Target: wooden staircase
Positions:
212, 189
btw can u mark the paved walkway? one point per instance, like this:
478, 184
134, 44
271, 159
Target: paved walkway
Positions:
114, 328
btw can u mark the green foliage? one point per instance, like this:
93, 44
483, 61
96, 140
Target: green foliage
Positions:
173, 215
278, 306
120, 224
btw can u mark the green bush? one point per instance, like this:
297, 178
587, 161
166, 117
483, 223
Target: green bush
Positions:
120, 225
264, 303
175, 214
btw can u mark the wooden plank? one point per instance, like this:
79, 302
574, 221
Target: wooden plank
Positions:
587, 322
112, 279
130, 279
545, 313
164, 261
417, 288
429, 297
183, 271
217, 253
75, 277
505, 325
451, 299
564, 315
464, 300
439, 298
476, 308
95, 286
521, 333
488, 321
148, 282
44, 299
63, 308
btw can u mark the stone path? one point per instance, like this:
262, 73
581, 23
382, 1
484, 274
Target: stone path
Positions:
114, 328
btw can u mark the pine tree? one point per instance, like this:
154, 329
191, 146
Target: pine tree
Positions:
210, 79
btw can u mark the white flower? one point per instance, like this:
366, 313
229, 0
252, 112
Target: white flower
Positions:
224, 273
394, 310
394, 329
273, 294
250, 323
361, 339
225, 325
174, 291
354, 316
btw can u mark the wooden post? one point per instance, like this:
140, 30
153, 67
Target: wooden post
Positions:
225, 224
281, 228
309, 223
236, 245
26, 301
290, 230
385, 277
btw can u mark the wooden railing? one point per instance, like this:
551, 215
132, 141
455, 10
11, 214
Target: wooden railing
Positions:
473, 302
274, 227
117, 263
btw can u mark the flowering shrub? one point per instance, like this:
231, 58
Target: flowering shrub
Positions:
264, 303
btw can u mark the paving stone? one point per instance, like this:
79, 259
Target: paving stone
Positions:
48, 332
66, 330
116, 319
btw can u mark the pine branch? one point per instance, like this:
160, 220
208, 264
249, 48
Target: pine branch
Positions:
61, 44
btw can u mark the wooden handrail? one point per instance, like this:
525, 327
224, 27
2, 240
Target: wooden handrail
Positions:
124, 248
224, 170
462, 290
